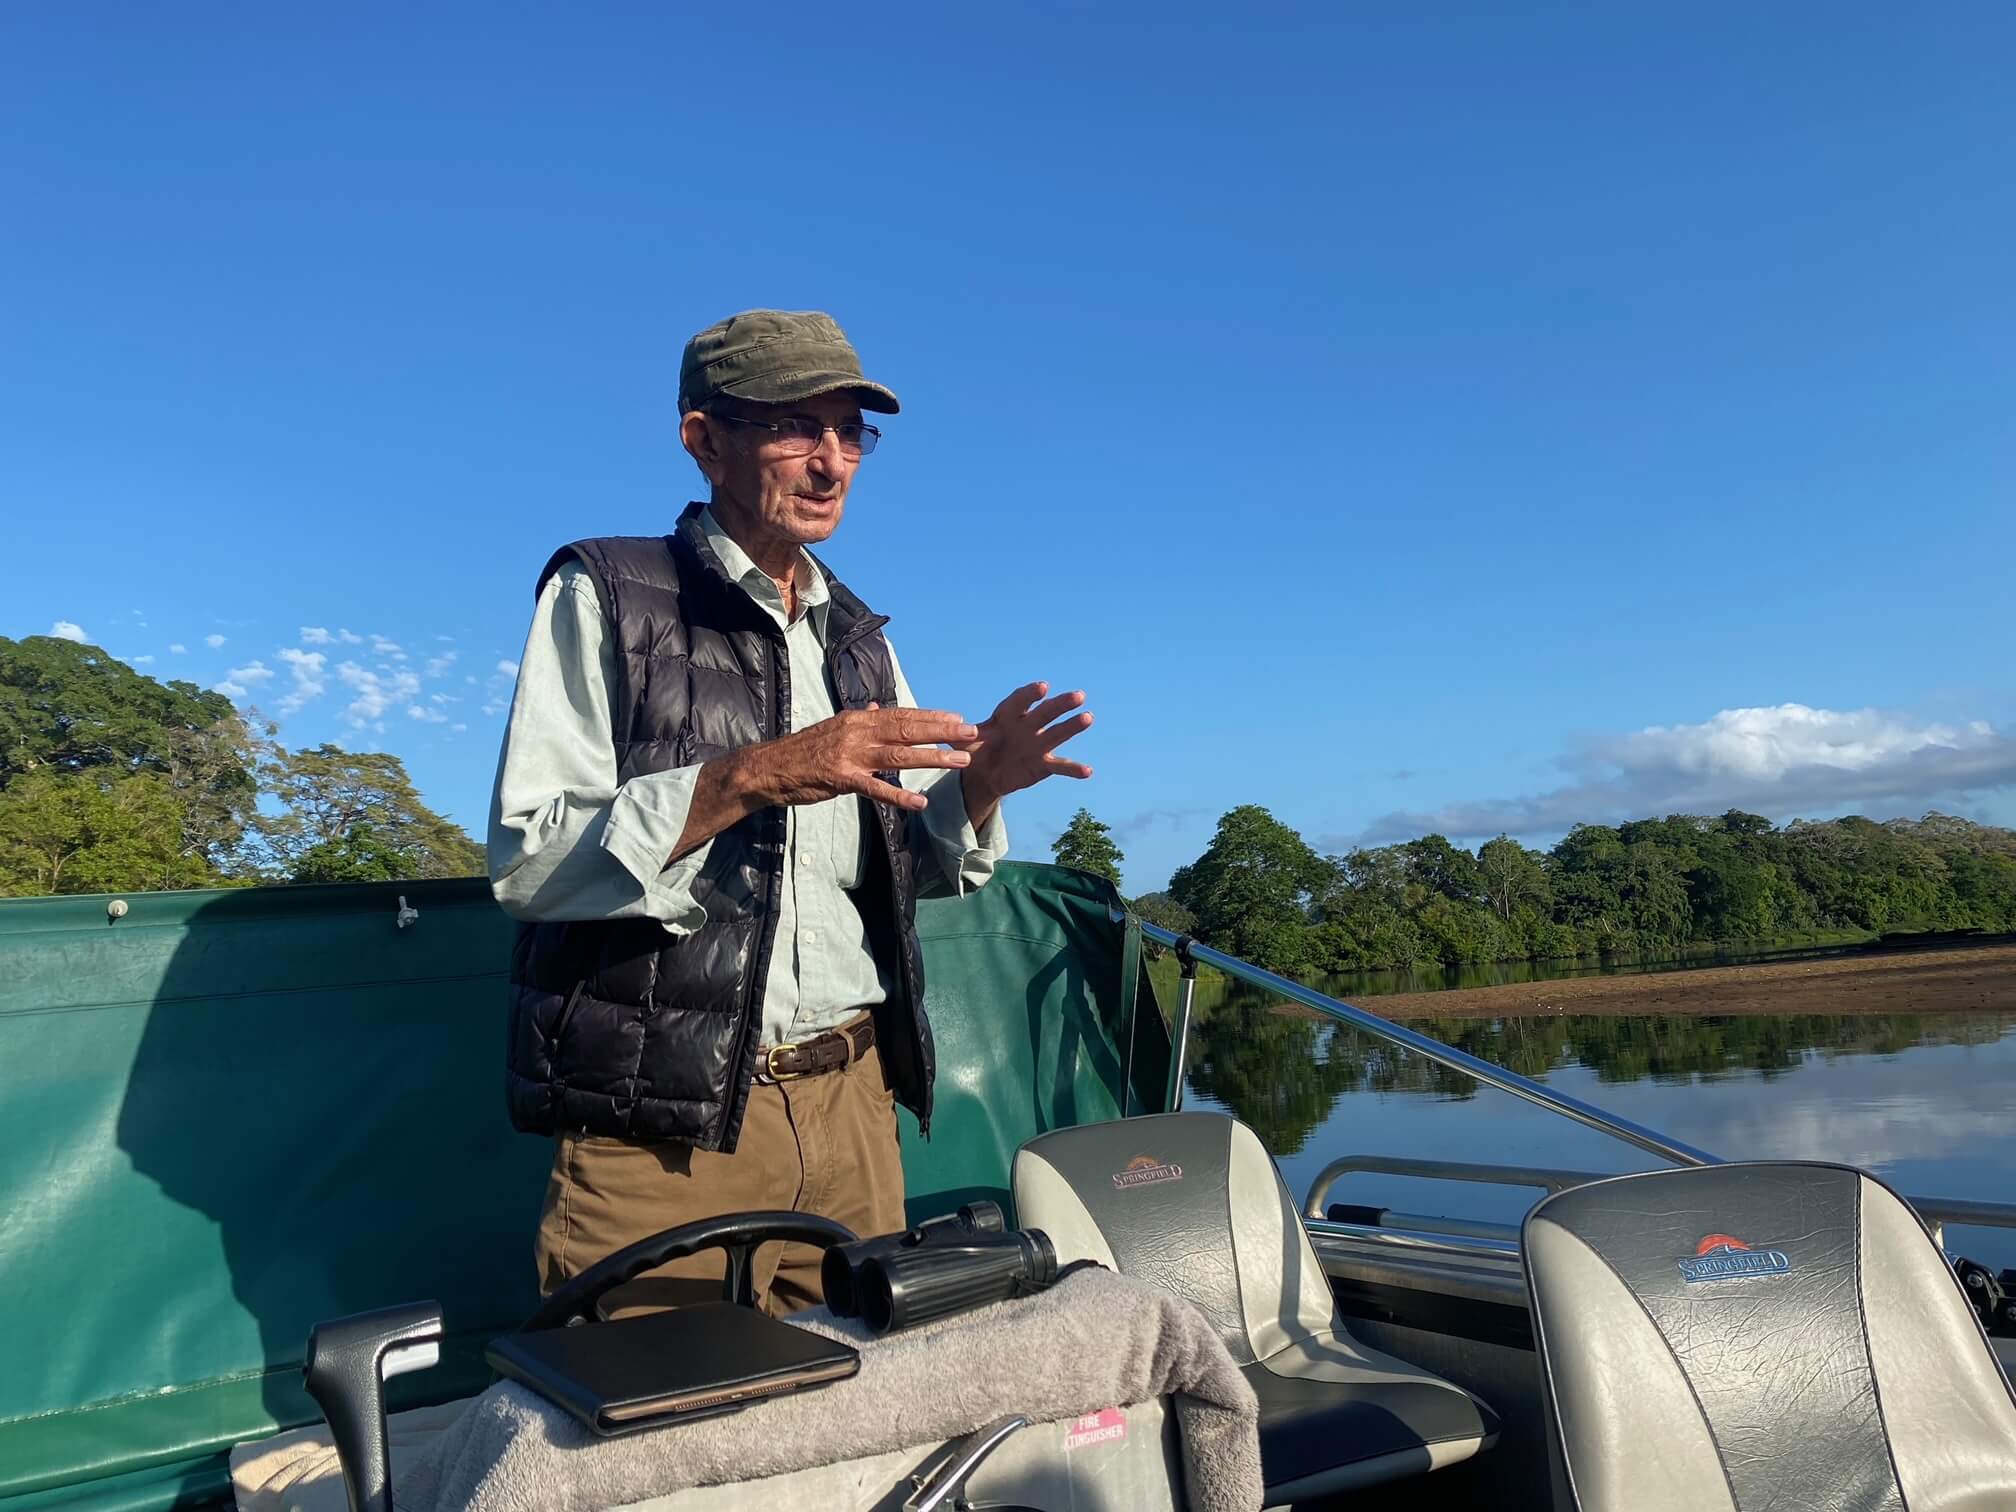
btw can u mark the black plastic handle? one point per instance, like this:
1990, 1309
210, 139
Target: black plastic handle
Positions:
737, 1233
344, 1371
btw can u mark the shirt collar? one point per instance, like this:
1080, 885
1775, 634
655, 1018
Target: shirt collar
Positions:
814, 598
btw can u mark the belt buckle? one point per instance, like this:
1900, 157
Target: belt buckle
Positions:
770, 1065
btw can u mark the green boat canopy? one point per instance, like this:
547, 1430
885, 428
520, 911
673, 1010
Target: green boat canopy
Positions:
227, 1116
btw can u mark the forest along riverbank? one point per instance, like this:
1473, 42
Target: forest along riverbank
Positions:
1929, 981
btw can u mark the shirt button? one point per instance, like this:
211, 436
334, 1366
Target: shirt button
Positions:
811, 937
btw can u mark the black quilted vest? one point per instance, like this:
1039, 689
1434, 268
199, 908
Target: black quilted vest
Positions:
618, 1028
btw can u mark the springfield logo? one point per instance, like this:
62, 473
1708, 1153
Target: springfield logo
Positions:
1722, 1257
1145, 1170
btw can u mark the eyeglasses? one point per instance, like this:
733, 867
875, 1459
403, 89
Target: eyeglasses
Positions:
799, 435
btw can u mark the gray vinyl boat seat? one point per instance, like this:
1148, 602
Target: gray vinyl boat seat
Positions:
1779, 1335
1192, 1202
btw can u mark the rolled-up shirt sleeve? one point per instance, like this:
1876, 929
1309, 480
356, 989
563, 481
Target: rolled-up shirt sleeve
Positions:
568, 839
964, 858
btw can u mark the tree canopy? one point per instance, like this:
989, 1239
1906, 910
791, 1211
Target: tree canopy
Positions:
1088, 845
1261, 892
358, 809
70, 709
113, 781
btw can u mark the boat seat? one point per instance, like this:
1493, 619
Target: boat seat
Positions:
1735, 1337
1192, 1202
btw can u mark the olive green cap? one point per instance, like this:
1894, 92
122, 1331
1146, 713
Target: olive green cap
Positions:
775, 357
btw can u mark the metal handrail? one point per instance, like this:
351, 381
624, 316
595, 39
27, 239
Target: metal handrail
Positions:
1936, 1212
1550, 1178
1430, 1244
1492, 1076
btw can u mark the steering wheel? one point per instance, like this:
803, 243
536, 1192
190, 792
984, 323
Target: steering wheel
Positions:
740, 1234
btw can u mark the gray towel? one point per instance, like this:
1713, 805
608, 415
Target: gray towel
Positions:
1093, 1341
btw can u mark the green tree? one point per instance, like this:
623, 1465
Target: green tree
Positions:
71, 708
1441, 868
1252, 889
92, 831
1512, 877
1460, 933
1160, 908
1370, 936
1088, 845
362, 855
346, 810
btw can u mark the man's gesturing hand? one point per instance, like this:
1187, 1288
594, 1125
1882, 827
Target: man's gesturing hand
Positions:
843, 754
1013, 748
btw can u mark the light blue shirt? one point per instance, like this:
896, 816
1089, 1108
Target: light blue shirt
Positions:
568, 841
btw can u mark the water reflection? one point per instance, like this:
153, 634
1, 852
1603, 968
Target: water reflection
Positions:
1283, 1071
1921, 1100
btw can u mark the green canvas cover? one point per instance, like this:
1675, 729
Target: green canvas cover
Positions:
226, 1116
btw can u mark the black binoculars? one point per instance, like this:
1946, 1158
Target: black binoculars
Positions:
944, 1265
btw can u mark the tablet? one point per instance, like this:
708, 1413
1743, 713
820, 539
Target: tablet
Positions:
670, 1367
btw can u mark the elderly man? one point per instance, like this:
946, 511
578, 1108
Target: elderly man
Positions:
716, 806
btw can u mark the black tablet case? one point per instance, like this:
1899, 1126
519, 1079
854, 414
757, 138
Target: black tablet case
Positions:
630, 1374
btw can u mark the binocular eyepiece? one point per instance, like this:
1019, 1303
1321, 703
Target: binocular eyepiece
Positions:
944, 1265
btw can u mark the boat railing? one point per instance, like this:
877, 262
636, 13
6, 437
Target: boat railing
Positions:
1368, 1222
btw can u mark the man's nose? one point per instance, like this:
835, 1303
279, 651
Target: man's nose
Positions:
828, 457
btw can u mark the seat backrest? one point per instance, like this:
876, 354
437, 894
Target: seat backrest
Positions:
1736, 1337
1190, 1202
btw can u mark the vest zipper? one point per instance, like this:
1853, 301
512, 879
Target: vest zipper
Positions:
860, 630
753, 994
567, 1016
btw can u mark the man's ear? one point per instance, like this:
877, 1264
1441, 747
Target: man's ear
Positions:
703, 443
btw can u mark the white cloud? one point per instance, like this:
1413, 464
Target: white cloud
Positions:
438, 666
178, 649
1779, 762
495, 706
308, 684
445, 698
457, 729
380, 646
471, 680
70, 631
213, 641
426, 715
240, 680
508, 668
140, 661
314, 635
375, 693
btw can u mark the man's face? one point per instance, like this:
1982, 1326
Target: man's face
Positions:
787, 498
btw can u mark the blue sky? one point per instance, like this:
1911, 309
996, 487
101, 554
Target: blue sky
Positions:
1422, 416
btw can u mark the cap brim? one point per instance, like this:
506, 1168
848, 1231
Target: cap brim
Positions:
787, 388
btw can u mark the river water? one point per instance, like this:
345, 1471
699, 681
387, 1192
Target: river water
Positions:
1924, 1101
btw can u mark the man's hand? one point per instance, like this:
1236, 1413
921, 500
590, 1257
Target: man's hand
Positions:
843, 754
1012, 748
835, 756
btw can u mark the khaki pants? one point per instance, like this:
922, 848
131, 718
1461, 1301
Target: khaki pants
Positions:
822, 1144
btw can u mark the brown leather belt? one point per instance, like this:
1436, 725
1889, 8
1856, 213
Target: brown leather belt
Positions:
832, 1051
